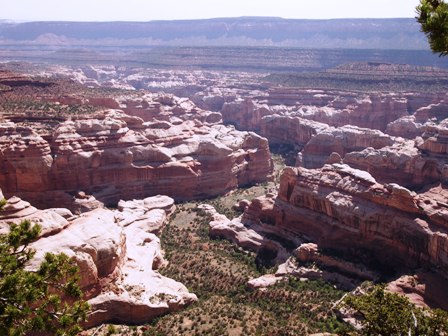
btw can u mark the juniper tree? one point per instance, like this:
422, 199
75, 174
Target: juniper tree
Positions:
385, 313
47, 299
433, 18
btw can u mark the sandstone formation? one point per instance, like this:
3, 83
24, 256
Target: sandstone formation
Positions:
434, 112
318, 124
309, 253
290, 130
401, 114
121, 157
405, 127
343, 208
260, 237
367, 110
118, 255
341, 140
164, 107
373, 111
274, 246
378, 199
245, 114
413, 164
232, 230
435, 141
264, 281
52, 221
424, 289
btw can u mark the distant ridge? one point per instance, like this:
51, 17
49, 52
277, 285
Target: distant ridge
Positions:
399, 34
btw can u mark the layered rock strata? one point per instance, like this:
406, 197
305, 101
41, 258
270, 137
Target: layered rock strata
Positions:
425, 289
341, 140
245, 114
259, 237
123, 157
290, 130
398, 114
343, 208
277, 247
415, 164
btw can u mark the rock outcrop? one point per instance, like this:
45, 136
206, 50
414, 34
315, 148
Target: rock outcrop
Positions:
164, 107
405, 127
117, 252
290, 130
342, 208
435, 141
341, 140
233, 230
424, 289
52, 221
257, 237
398, 114
412, 164
337, 108
245, 114
123, 157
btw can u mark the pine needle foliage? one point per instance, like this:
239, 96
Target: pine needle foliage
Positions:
46, 300
384, 313
433, 18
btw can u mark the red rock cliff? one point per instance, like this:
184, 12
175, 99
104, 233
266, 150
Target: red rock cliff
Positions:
343, 208
121, 157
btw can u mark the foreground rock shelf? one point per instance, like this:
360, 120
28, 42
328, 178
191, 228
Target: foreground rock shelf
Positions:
118, 254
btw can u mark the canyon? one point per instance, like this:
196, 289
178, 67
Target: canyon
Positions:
363, 196
130, 148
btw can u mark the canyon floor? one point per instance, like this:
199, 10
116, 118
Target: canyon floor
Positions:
218, 271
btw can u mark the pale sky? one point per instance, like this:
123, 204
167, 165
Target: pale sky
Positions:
146, 10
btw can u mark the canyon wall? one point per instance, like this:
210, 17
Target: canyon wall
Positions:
342, 208
122, 157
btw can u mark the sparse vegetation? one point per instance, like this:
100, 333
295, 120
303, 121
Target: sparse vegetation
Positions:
33, 108
385, 313
368, 77
217, 271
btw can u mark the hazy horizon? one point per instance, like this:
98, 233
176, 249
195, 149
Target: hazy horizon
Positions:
210, 18
143, 10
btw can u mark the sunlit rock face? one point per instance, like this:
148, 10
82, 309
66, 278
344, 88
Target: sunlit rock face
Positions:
341, 207
414, 164
341, 140
119, 156
117, 252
